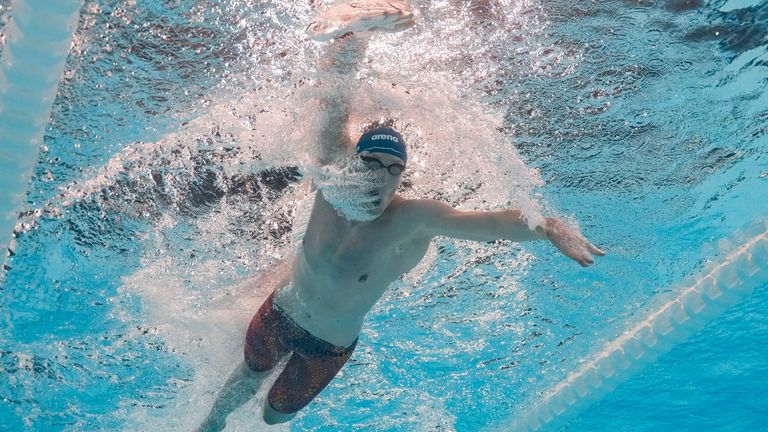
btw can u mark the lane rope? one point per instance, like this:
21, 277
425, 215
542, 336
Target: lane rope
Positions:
719, 286
38, 40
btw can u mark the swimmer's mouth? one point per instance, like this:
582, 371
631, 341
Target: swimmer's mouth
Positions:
376, 202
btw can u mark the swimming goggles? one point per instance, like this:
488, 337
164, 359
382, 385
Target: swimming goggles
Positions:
374, 164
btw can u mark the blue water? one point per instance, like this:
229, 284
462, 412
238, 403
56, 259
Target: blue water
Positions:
647, 122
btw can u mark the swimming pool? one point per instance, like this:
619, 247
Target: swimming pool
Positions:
169, 176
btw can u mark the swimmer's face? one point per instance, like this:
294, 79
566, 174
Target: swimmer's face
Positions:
391, 169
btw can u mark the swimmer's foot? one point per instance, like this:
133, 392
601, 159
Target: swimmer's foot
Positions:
212, 425
359, 16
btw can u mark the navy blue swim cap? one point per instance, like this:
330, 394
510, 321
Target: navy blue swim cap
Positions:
383, 140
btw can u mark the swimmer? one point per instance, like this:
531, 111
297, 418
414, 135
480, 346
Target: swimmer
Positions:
319, 298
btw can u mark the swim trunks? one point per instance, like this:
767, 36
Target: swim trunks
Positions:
313, 363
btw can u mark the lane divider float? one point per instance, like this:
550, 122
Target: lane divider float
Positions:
720, 285
38, 39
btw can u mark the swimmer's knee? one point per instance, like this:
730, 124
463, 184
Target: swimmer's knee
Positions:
273, 417
257, 366
257, 361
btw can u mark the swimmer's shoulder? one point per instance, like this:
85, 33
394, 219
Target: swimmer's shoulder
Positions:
418, 204
418, 212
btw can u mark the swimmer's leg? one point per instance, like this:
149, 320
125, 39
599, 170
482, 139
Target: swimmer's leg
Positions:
303, 378
272, 417
263, 350
239, 389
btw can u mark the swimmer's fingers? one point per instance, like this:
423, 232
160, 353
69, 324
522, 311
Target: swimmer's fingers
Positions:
588, 252
571, 242
594, 250
585, 260
590, 249
577, 251
584, 253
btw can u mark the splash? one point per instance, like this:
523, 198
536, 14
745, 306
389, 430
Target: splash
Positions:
202, 305
222, 200
350, 188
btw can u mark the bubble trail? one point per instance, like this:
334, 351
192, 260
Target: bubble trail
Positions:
719, 286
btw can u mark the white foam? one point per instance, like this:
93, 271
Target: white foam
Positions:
206, 332
199, 308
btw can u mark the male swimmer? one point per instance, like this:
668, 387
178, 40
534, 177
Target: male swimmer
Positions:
348, 258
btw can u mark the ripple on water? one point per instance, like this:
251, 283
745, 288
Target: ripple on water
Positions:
684, 65
657, 63
581, 96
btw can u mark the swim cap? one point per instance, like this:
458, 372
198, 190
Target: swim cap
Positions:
383, 140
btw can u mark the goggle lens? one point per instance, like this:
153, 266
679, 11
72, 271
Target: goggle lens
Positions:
374, 164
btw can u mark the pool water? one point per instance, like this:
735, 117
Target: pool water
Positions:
171, 176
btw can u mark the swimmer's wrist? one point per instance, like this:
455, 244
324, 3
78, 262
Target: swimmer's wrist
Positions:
541, 230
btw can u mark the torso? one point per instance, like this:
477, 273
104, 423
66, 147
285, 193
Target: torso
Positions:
343, 268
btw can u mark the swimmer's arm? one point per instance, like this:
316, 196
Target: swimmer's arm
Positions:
338, 67
283, 272
438, 219
274, 279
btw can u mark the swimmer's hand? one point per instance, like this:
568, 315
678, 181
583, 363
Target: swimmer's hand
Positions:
361, 16
569, 241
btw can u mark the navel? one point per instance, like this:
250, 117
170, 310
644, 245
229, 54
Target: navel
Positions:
363, 278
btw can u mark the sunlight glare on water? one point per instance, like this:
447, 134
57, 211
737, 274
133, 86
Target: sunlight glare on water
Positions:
173, 178
214, 223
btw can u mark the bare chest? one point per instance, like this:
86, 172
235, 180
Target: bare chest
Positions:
365, 257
